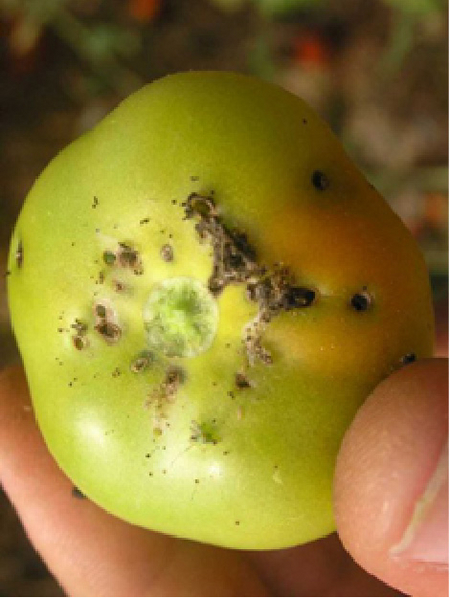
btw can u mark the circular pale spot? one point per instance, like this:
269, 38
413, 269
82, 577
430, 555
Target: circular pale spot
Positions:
180, 317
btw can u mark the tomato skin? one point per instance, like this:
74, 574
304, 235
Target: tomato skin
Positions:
234, 443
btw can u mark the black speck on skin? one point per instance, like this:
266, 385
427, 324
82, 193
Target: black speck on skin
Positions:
95, 202
408, 358
320, 180
361, 301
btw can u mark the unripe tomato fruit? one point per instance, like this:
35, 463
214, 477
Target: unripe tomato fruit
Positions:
204, 289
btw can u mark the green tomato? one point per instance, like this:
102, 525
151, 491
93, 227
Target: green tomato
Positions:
204, 289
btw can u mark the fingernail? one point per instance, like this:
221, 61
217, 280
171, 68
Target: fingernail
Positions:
426, 536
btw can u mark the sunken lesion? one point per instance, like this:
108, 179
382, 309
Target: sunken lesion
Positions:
126, 256
106, 324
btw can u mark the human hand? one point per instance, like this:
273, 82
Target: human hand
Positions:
387, 459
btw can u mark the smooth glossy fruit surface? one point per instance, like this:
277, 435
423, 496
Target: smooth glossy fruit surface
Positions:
204, 289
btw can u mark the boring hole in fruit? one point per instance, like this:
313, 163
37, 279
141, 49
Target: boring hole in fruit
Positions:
19, 254
408, 358
295, 297
361, 301
320, 180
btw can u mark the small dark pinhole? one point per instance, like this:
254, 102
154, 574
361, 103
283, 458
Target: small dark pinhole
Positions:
408, 358
320, 180
361, 301
19, 254
100, 310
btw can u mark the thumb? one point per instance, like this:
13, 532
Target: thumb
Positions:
391, 484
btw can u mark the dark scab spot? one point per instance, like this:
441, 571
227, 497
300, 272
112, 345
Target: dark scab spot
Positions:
298, 297
361, 301
320, 180
110, 332
100, 310
242, 381
142, 362
128, 256
80, 342
408, 358
174, 377
237, 523
144, 221
118, 286
95, 202
200, 204
19, 255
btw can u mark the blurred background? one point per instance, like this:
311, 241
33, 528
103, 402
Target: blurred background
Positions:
376, 70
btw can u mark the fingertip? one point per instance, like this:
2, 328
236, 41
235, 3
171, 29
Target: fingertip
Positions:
391, 492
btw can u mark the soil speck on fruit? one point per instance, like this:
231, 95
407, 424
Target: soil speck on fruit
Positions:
166, 253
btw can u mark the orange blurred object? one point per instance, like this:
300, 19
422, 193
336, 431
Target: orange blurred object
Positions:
311, 49
144, 10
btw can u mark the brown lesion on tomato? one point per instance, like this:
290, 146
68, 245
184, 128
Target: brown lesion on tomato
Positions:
106, 323
124, 256
164, 395
166, 253
235, 261
142, 362
79, 339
